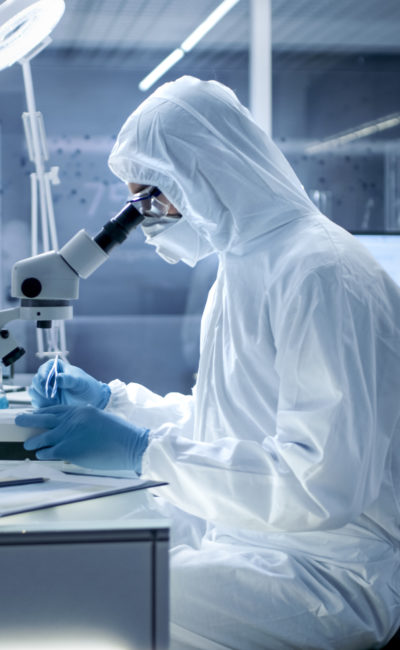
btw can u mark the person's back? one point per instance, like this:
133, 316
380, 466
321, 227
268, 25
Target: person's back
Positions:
301, 339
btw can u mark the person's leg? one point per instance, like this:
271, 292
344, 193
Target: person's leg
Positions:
224, 596
184, 528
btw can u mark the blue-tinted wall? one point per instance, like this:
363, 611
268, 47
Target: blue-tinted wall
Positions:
317, 96
138, 317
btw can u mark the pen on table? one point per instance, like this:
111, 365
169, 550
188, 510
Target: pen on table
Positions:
21, 481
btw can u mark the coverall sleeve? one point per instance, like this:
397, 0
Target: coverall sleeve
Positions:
146, 409
323, 463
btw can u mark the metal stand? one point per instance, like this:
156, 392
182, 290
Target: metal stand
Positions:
42, 210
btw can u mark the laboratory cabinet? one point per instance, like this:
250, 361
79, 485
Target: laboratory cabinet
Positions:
84, 586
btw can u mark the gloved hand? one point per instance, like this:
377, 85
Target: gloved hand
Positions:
74, 386
85, 436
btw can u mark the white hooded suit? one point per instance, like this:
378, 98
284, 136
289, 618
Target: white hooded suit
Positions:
283, 467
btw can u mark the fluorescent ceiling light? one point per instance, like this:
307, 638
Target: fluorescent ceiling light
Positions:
189, 42
207, 24
362, 131
161, 69
24, 24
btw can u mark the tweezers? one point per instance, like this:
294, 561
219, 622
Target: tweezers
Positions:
51, 381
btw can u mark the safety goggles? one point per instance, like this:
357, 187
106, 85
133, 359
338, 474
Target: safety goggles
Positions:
150, 204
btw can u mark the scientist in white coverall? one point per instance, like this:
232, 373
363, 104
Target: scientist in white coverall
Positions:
283, 467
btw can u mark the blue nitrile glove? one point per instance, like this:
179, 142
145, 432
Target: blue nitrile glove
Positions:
85, 436
74, 387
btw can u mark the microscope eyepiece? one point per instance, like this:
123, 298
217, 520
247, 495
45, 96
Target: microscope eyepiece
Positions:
117, 229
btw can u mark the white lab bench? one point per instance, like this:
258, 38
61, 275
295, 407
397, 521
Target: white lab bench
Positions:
91, 575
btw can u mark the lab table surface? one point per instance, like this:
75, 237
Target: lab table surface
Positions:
93, 574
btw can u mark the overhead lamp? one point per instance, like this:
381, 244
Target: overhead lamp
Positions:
25, 26
188, 44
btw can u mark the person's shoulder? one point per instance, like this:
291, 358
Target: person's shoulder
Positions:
304, 248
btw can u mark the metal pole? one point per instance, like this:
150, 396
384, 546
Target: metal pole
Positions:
37, 149
1, 223
41, 179
261, 64
34, 215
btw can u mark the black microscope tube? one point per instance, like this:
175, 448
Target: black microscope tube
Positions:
116, 230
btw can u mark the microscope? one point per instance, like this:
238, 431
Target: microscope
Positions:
46, 283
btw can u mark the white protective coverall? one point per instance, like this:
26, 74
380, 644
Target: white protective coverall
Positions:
284, 465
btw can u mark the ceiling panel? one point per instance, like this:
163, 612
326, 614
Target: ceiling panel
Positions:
147, 24
137, 34
348, 25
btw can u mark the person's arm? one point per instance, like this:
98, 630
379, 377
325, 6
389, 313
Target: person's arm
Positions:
142, 407
88, 423
134, 402
323, 463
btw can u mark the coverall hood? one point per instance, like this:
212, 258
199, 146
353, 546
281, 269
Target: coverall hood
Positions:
197, 143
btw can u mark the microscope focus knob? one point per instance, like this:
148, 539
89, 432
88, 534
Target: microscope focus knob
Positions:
31, 287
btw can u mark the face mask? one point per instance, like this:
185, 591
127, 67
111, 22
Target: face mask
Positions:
152, 226
177, 241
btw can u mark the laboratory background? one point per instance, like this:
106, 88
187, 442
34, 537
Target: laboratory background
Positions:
334, 110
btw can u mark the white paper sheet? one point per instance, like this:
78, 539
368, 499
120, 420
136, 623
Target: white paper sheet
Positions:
60, 488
